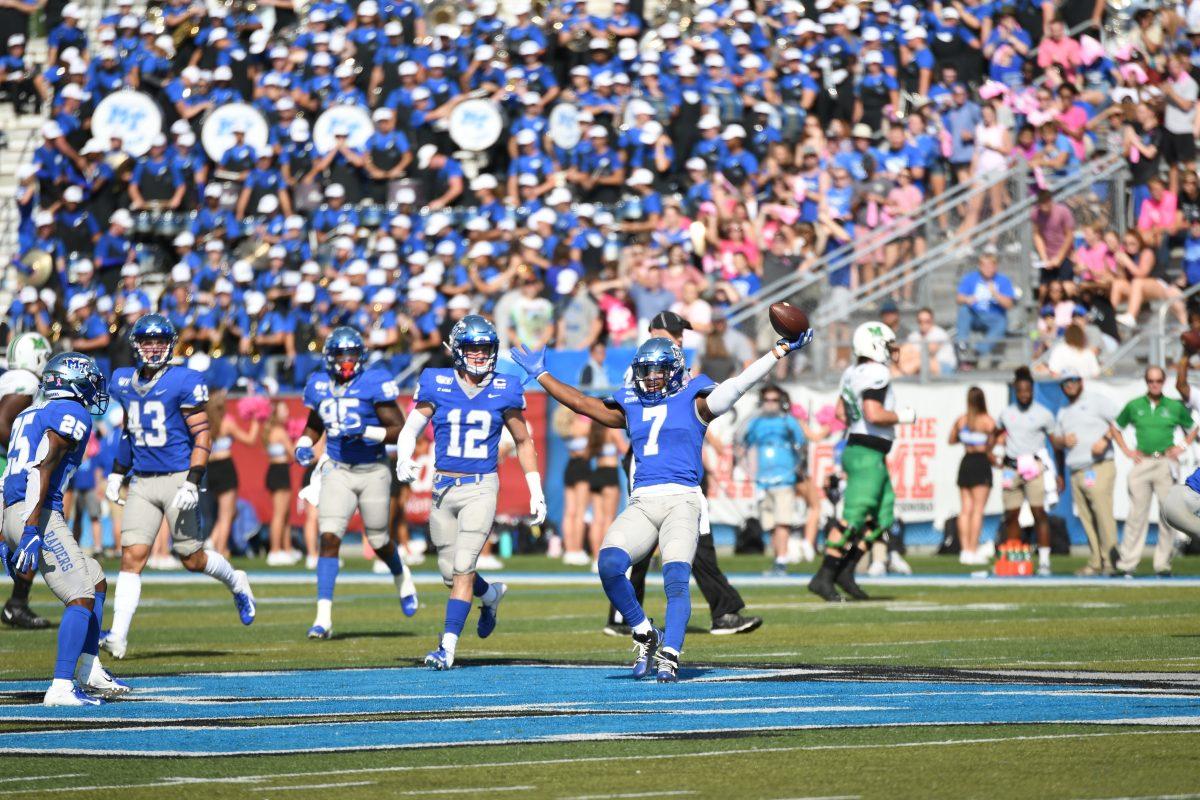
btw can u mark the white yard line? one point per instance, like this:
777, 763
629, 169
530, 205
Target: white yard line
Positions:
311, 786
675, 793
550, 762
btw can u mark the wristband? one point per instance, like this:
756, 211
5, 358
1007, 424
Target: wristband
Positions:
195, 475
535, 484
374, 433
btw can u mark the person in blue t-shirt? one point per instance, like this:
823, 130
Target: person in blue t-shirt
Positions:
984, 297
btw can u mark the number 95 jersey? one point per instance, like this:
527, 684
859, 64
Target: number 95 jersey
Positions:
27, 447
667, 438
466, 428
347, 408
159, 437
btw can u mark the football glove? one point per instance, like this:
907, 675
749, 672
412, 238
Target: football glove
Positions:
29, 551
187, 497
112, 489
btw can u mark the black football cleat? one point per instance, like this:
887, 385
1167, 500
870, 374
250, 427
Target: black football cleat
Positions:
19, 615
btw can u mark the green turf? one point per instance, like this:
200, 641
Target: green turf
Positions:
1116, 627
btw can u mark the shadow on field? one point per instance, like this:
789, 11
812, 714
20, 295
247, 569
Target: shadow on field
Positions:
374, 635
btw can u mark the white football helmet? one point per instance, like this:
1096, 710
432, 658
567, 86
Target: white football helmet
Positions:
874, 340
29, 351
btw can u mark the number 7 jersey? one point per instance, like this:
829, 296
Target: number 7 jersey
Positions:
667, 438
466, 428
154, 420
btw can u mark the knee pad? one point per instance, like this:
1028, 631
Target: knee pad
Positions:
446, 567
676, 578
377, 538
613, 561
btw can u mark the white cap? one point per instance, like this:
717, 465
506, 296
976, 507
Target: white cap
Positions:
641, 177
436, 223
423, 294
305, 293
338, 286
43, 218
130, 271
385, 296
460, 302
526, 136
71, 10
214, 246
528, 48
253, 302
480, 250
223, 286
28, 295
310, 268
446, 248
72, 92
223, 73
268, 204
478, 224
532, 241
184, 239
352, 294
73, 194
557, 195
696, 164
382, 114
357, 267
418, 258
51, 130
242, 271
425, 154
485, 181
566, 281
343, 243
335, 190
543, 216
708, 122
181, 273
916, 32
49, 297
873, 57
84, 265
277, 251
212, 190
597, 132
376, 277
121, 217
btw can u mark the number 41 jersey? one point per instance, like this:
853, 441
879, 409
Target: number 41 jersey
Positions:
466, 429
27, 447
159, 437
667, 438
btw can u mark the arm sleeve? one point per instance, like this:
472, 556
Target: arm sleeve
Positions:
414, 426
727, 393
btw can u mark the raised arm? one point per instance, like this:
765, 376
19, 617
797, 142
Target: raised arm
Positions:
728, 392
592, 407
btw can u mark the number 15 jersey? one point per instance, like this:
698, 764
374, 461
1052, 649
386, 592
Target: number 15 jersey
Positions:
667, 438
159, 437
466, 428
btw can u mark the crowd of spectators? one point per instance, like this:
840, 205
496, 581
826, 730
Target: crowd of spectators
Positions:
718, 152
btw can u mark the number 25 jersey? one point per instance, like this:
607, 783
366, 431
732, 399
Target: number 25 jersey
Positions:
466, 429
159, 438
27, 446
667, 438
351, 405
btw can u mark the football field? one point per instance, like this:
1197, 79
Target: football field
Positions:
942, 686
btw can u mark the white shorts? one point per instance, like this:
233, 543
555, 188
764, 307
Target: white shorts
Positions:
670, 522
460, 522
150, 498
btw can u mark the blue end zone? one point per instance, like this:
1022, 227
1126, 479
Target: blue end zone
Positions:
189, 715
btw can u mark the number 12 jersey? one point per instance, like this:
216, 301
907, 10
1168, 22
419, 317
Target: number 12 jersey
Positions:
466, 428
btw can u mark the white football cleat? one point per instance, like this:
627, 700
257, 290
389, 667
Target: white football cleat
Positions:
877, 569
807, 551
406, 590
116, 647
70, 695
897, 564
102, 683
243, 597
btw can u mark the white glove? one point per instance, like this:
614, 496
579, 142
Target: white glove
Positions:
407, 470
537, 508
906, 415
187, 497
112, 490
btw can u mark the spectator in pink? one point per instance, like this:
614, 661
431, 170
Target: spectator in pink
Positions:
1053, 239
1058, 48
1094, 262
1158, 215
1072, 118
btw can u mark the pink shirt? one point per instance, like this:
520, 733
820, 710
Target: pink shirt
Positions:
1159, 214
1064, 52
1075, 119
1097, 261
619, 319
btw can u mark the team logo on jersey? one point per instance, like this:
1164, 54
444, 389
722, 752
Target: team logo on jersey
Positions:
445, 380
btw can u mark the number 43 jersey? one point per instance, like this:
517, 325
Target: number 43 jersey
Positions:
154, 420
466, 428
667, 438
27, 447
347, 409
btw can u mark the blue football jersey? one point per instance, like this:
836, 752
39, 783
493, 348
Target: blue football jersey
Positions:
349, 404
466, 430
27, 447
666, 438
159, 437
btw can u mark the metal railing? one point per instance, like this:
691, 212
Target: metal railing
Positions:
1157, 333
944, 205
986, 231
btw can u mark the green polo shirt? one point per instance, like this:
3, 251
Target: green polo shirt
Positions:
1155, 423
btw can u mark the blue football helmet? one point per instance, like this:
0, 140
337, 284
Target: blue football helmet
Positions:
75, 376
474, 331
153, 338
345, 353
659, 370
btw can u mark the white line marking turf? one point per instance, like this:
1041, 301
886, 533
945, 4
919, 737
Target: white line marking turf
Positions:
551, 762
308, 786
675, 793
